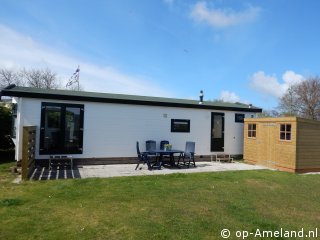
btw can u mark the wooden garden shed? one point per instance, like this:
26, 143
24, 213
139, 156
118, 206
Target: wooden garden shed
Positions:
289, 144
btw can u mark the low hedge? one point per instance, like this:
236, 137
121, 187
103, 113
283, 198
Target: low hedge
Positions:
7, 155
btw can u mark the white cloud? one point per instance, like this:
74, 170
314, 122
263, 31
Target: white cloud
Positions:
221, 18
290, 77
228, 96
269, 84
18, 50
168, 2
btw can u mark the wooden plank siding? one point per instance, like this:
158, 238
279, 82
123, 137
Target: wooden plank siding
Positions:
308, 145
267, 148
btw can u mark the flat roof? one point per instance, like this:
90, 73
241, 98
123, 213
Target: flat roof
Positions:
82, 96
281, 120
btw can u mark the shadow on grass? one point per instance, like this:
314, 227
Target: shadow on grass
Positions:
7, 202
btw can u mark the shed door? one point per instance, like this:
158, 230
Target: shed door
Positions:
268, 139
217, 132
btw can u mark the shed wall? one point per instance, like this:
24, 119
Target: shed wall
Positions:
267, 149
308, 146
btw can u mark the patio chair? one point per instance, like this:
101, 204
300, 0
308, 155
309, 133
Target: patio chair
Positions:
151, 146
188, 155
142, 158
162, 143
164, 155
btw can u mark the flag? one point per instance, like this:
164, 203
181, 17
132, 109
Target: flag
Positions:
74, 78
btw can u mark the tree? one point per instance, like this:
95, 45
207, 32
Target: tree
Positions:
9, 76
302, 99
5, 126
38, 78
41, 78
268, 114
289, 104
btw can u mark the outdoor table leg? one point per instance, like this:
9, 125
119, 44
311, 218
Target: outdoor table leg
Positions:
172, 161
158, 162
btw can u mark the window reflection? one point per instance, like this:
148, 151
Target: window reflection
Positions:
61, 128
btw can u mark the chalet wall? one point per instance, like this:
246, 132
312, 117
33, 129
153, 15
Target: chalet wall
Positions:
111, 130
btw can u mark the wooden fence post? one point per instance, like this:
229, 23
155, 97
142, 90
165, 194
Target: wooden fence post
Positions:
28, 151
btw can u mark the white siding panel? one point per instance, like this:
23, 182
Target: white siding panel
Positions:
111, 130
116, 127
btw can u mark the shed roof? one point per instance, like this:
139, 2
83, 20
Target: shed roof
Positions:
281, 120
83, 96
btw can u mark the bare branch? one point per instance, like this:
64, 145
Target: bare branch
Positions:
9, 76
41, 78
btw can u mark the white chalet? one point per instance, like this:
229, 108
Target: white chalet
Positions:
103, 128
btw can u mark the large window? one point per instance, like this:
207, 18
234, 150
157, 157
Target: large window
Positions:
252, 130
180, 125
61, 128
285, 132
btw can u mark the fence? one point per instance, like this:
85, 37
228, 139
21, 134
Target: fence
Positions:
28, 151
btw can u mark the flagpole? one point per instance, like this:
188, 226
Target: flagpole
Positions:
78, 76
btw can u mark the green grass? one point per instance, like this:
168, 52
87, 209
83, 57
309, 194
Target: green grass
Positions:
177, 206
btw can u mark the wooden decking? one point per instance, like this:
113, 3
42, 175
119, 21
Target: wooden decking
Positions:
60, 172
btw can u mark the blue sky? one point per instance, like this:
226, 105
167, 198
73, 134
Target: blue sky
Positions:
247, 51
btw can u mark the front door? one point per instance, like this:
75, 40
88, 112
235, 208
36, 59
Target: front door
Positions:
217, 132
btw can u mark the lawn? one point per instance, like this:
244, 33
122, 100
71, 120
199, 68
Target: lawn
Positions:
177, 206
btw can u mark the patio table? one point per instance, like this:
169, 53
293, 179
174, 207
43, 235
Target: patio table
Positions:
161, 153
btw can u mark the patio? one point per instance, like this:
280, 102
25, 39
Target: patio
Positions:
103, 171
118, 170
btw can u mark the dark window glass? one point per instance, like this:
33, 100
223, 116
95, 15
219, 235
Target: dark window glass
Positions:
285, 132
52, 128
14, 120
239, 117
72, 128
180, 125
254, 134
251, 130
61, 128
53, 117
288, 136
288, 127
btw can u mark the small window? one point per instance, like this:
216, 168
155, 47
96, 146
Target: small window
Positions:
180, 125
239, 117
285, 132
14, 120
14, 109
252, 130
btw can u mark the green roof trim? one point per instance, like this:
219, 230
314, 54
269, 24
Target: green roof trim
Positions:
82, 96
